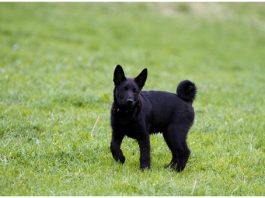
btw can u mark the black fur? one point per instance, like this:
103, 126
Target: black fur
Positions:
137, 114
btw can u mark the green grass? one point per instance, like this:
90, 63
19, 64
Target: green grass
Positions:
56, 69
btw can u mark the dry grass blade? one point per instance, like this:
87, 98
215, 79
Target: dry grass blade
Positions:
93, 129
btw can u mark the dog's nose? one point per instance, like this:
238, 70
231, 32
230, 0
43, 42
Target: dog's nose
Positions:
129, 101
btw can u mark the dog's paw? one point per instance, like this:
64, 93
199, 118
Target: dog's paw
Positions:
121, 159
144, 166
179, 169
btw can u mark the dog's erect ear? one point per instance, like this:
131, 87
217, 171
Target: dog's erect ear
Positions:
118, 75
141, 78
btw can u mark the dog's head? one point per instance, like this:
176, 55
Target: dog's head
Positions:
127, 90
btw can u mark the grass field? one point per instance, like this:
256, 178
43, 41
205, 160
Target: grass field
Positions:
56, 69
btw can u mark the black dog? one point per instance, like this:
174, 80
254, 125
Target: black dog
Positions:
138, 114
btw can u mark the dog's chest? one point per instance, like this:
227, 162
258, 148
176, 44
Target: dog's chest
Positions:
131, 128
133, 133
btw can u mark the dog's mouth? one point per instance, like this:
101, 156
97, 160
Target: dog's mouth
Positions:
129, 106
129, 103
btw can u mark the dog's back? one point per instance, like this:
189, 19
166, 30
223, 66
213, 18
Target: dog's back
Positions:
169, 107
165, 108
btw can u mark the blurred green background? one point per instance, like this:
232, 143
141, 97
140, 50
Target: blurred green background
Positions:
56, 69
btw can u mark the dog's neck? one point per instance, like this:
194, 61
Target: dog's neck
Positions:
125, 111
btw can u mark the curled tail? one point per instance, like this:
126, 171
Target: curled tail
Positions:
186, 90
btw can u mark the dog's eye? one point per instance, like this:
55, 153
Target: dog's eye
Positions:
134, 90
125, 88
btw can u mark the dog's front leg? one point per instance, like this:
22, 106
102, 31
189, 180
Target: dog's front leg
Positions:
144, 144
115, 147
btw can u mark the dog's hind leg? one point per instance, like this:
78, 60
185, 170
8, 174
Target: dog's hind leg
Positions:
174, 157
175, 137
183, 156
